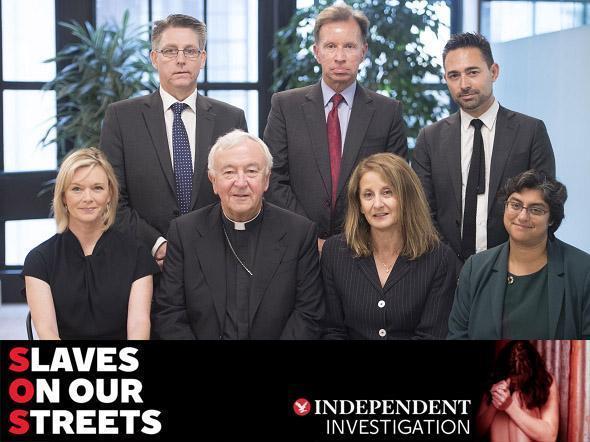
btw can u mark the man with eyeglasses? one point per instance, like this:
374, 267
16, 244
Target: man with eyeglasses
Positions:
158, 144
465, 158
318, 134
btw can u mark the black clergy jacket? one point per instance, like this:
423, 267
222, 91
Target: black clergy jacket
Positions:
286, 296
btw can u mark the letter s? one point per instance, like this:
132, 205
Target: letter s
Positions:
20, 425
19, 362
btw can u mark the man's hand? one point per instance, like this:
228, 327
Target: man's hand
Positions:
321, 244
501, 397
161, 254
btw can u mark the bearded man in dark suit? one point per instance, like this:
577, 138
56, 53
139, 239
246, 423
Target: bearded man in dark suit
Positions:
464, 159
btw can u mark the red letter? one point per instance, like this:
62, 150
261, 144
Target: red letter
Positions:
21, 426
20, 363
16, 396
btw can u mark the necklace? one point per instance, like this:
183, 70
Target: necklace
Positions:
387, 268
235, 254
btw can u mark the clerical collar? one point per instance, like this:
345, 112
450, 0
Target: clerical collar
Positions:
237, 225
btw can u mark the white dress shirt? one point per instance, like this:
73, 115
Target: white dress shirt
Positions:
488, 131
344, 108
189, 118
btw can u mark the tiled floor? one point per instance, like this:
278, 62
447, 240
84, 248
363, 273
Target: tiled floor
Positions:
12, 321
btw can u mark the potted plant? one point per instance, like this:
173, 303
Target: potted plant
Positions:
109, 63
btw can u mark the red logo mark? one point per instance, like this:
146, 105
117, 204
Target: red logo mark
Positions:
301, 407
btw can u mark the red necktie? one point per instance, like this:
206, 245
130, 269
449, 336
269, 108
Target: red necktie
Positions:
334, 144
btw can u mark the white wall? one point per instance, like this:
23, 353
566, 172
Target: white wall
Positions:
548, 77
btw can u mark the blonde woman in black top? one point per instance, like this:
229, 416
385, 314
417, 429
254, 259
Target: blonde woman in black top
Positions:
88, 281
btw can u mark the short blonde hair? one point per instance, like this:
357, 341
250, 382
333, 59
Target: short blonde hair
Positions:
340, 11
418, 232
87, 157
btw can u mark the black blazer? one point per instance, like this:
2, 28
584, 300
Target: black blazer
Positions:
417, 296
520, 143
479, 301
297, 137
286, 301
134, 138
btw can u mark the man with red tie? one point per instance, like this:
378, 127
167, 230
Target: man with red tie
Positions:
317, 134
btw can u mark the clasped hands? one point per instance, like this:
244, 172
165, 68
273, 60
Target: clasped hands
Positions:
501, 396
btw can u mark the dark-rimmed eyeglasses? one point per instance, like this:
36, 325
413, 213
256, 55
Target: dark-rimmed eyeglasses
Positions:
173, 52
516, 207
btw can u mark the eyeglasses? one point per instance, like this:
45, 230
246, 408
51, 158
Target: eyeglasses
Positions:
516, 207
191, 53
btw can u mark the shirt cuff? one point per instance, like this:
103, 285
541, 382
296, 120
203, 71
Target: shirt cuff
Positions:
161, 240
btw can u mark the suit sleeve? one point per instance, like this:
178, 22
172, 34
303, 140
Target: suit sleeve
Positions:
397, 142
171, 319
421, 163
333, 325
304, 322
242, 124
275, 136
435, 315
459, 318
542, 157
111, 142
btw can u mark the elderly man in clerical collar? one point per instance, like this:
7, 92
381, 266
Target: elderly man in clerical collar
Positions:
241, 268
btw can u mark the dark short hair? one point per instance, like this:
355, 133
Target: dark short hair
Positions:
341, 12
179, 21
469, 40
554, 193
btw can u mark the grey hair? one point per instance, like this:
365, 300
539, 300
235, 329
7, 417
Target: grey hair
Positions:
233, 139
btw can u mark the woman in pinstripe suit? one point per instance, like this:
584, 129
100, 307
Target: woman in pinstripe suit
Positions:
387, 276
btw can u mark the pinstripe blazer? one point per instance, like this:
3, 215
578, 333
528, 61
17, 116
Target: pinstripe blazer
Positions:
414, 303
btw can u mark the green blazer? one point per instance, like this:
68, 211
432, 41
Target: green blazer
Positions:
479, 299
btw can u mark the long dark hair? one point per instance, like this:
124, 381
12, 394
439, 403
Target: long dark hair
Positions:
521, 362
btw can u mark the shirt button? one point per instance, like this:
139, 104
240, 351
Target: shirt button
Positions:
381, 303
382, 332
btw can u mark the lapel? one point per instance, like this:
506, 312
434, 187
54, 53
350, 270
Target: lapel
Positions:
401, 267
211, 256
204, 132
153, 114
315, 118
555, 284
368, 268
451, 142
360, 117
496, 288
269, 255
506, 128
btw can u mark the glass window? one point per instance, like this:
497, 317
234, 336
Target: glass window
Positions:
23, 236
233, 40
555, 16
28, 39
113, 10
503, 21
162, 8
247, 100
27, 116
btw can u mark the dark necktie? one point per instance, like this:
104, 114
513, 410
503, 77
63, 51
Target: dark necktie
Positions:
183, 169
476, 185
334, 144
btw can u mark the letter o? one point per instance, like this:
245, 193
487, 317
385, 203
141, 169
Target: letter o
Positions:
88, 393
14, 393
